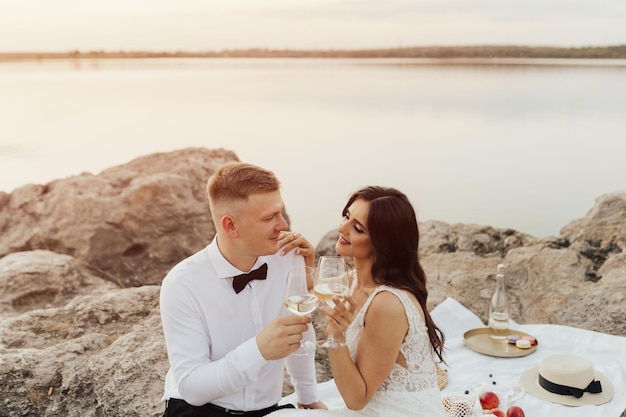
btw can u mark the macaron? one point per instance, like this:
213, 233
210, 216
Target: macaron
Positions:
523, 343
531, 339
512, 338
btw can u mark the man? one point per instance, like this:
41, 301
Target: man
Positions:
227, 339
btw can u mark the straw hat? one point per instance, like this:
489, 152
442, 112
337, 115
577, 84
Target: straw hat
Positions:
568, 380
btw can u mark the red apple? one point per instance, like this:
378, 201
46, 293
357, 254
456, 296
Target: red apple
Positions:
497, 412
515, 411
489, 400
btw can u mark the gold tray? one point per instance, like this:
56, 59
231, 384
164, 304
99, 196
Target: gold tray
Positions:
478, 340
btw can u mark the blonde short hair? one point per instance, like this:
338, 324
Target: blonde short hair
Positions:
238, 180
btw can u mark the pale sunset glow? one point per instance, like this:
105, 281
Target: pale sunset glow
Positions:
199, 25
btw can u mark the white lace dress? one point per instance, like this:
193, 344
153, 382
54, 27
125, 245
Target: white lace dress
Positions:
410, 391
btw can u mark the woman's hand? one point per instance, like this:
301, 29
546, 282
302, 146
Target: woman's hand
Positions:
339, 317
317, 405
290, 240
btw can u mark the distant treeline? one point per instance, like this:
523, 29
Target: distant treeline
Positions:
438, 52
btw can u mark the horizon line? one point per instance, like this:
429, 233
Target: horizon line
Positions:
415, 52
272, 49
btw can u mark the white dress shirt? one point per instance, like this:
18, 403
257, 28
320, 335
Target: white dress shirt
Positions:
210, 333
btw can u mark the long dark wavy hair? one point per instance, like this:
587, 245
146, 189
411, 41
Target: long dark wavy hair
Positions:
394, 233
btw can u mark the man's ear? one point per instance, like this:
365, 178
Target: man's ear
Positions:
229, 226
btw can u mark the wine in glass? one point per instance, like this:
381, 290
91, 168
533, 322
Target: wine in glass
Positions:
300, 301
331, 280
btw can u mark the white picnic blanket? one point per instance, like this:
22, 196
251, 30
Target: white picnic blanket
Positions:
466, 368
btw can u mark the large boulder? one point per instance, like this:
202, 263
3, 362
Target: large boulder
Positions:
603, 224
43, 279
129, 224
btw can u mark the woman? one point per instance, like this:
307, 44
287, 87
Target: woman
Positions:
388, 367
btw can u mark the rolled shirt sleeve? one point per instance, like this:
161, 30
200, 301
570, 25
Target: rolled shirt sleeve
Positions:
301, 369
217, 379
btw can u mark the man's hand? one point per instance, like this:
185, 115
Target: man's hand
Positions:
282, 336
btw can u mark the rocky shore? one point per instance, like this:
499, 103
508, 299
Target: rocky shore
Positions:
82, 258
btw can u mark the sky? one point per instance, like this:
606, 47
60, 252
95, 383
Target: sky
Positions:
201, 25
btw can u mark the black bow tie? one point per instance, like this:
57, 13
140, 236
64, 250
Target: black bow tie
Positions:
240, 281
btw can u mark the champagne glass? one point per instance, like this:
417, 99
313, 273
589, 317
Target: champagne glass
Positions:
331, 280
300, 301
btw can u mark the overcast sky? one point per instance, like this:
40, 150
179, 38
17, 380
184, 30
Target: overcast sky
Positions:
196, 25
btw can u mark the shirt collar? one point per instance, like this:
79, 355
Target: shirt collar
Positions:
223, 268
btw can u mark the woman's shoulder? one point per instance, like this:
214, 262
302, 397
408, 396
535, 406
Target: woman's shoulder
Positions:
396, 298
390, 293
387, 300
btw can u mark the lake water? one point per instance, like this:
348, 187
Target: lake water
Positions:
527, 146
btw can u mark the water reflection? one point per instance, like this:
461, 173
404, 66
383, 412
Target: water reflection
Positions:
527, 146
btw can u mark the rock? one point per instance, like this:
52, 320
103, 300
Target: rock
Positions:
43, 279
603, 223
129, 224
100, 355
81, 260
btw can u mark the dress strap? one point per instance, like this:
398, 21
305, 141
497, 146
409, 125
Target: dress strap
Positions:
398, 293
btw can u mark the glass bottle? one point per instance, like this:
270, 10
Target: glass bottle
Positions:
499, 310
